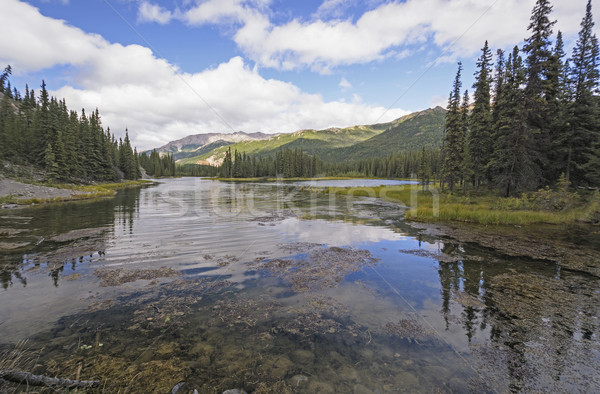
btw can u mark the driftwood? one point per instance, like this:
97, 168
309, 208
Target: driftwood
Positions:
15, 376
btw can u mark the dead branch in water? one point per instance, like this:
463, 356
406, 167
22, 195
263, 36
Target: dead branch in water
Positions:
15, 376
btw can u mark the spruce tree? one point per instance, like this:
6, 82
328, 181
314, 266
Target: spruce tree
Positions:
539, 56
558, 98
584, 123
4, 77
512, 163
42, 126
465, 131
50, 164
480, 142
453, 137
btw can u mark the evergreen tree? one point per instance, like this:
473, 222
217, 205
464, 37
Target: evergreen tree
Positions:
50, 164
126, 159
465, 123
512, 164
4, 77
498, 84
453, 137
480, 141
558, 98
539, 58
42, 126
424, 173
584, 124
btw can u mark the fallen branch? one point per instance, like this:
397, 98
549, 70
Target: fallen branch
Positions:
15, 376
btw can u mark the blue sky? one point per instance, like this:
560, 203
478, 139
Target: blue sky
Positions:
167, 69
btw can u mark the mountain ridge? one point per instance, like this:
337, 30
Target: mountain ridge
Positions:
408, 132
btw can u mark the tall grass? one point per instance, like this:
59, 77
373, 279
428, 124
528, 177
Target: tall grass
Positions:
487, 209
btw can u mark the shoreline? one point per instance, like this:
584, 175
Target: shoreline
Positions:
16, 193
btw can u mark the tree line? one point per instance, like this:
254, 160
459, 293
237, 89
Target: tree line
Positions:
43, 132
425, 164
535, 119
157, 165
285, 163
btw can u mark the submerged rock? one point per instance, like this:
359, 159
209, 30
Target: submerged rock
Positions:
298, 380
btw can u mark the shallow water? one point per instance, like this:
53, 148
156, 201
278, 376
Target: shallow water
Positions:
271, 288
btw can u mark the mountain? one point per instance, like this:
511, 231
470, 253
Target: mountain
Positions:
410, 132
424, 128
199, 144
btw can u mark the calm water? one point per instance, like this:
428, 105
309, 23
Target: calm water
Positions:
269, 288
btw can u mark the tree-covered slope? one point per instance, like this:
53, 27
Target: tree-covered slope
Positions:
311, 141
411, 132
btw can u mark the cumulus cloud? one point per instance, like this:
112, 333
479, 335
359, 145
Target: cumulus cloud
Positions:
148, 12
390, 29
156, 101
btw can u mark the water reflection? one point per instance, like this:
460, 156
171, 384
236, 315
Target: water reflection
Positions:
534, 325
426, 313
57, 235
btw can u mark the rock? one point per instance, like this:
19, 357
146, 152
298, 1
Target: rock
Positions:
320, 387
202, 349
347, 373
278, 367
235, 391
360, 389
298, 380
406, 379
303, 357
367, 355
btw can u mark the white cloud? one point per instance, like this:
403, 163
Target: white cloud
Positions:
396, 28
148, 12
158, 102
30, 41
344, 84
333, 8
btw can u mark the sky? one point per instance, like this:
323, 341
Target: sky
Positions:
165, 69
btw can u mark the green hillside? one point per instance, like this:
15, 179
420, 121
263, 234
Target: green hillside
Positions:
358, 142
411, 132
194, 151
311, 141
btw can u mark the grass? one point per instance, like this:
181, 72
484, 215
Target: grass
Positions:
429, 206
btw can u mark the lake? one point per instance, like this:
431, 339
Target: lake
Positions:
278, 288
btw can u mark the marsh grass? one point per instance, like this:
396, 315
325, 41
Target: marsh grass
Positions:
544, 206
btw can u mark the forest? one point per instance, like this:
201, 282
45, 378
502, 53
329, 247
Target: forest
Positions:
70, 147
534, 122
535, 117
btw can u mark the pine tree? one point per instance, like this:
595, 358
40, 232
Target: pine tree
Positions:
512, 164
424, 173
480, 142
4, 77
465, 131
453, 138
50, 164
584, 123
539, 57
42, 126
126, 160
